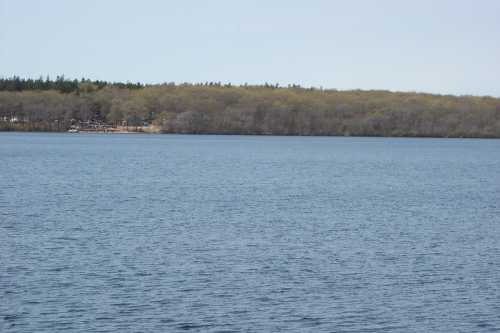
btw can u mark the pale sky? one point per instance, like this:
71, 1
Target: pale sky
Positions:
437, 46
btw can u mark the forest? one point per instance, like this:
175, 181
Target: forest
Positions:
46, 104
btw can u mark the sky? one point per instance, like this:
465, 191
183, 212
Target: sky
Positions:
436, 46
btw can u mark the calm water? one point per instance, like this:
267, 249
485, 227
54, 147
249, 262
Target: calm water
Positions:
165, 233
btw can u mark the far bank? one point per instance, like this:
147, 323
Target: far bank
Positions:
248, 110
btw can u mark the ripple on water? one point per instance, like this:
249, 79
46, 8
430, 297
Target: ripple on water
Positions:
248, 234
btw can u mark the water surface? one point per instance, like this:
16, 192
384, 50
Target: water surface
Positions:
165, 233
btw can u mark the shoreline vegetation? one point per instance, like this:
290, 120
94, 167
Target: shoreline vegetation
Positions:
62, 105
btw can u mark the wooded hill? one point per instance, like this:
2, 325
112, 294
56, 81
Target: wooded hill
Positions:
214, 108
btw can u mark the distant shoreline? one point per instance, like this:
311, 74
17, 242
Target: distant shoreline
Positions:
213, 108
250, 134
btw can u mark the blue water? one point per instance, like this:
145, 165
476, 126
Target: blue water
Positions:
166, 233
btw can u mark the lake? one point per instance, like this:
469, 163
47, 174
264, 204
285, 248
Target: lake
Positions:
167, 233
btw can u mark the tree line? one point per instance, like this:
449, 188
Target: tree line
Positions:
216, 108
60, 83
